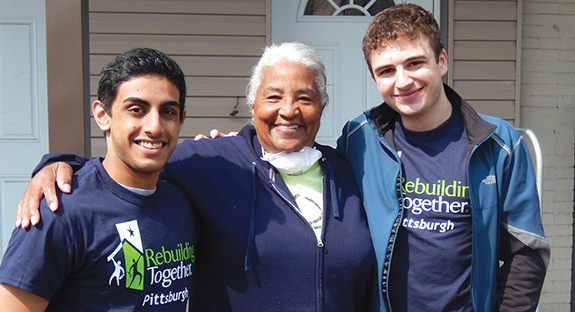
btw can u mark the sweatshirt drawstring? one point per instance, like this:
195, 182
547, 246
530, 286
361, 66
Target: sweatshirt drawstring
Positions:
252, 226
333, 191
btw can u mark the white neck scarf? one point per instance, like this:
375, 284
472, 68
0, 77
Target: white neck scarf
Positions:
293, 162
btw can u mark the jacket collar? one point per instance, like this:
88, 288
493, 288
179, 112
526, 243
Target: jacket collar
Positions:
477, 128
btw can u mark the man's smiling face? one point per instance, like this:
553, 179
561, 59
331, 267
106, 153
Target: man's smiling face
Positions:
142, 128
408, 76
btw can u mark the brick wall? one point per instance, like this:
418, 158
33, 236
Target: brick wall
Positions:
548, 108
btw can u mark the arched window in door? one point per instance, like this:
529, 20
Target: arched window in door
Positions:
346, 7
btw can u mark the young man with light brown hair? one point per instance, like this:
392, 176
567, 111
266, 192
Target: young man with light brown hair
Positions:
449, 193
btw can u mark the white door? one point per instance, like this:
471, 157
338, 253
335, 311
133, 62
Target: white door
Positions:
338, 39
23, 102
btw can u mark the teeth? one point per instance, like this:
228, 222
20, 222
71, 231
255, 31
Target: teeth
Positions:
288, 126
150, 145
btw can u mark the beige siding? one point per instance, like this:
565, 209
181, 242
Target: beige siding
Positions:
484, 51
216, 42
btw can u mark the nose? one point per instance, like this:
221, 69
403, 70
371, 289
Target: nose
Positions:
403, 79
152, 123
289, 108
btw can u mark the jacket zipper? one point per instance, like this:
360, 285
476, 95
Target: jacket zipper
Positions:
319, 258
282, 195
393, 236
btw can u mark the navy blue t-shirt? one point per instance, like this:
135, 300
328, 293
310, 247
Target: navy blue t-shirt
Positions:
107, 248
431, 262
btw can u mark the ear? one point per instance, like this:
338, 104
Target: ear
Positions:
183, 119
443, 62
322, 109
102, 118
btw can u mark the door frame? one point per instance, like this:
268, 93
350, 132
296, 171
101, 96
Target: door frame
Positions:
68, 61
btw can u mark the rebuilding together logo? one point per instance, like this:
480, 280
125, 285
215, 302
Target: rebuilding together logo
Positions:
141, 264
440, 197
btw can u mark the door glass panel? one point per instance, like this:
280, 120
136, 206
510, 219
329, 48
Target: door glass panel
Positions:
346, 7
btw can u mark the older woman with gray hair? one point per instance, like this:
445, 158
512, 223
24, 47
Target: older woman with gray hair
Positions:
282, 225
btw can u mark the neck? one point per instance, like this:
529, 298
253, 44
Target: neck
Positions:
122, 174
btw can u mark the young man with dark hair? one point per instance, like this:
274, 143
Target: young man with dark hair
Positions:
449, 193
122, 239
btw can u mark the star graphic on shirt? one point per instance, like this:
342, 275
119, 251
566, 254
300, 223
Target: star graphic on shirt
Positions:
131, 231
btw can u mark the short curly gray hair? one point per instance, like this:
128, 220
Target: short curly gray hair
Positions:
293, 52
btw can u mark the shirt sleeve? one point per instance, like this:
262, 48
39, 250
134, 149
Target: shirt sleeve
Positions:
523, 248
39, 259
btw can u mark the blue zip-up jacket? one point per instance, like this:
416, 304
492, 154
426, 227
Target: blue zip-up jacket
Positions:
255, 252
504, 202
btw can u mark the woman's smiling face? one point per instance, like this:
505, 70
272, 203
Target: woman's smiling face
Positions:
287, 108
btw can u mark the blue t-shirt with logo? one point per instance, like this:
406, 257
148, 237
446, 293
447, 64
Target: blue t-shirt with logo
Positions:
107, 248
431, 263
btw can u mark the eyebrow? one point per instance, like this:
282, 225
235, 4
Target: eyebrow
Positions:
142, 101
273, 89
307, 90
170, 103
407, 60
302, 90
136, 100
416, 57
